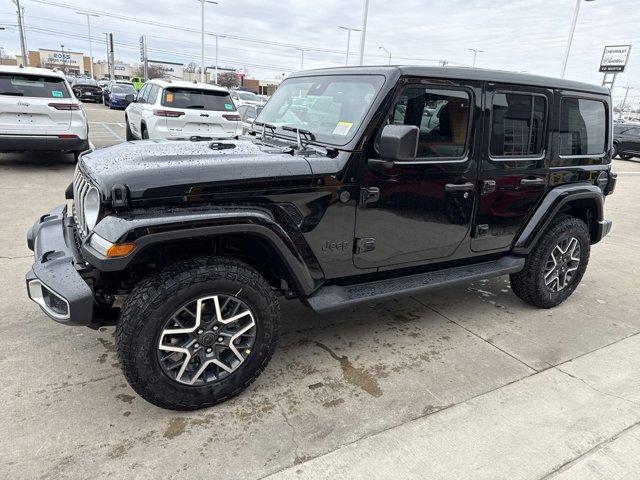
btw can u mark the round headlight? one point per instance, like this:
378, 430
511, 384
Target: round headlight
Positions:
91, 209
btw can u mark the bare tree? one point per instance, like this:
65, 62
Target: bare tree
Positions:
229, 79
192, 67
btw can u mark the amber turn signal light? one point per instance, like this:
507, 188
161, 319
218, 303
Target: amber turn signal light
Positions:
120, 249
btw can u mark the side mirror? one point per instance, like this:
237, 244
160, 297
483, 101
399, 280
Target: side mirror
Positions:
130, 98
399, 143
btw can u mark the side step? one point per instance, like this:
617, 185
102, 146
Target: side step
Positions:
335, 297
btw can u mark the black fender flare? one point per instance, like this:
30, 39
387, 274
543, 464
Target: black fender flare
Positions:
154, 228
554, 201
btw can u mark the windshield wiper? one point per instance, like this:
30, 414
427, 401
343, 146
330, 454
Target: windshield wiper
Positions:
195, 106
15, 94
264, 127
299, 132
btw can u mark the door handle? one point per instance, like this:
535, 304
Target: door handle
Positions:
533, 182
459, 187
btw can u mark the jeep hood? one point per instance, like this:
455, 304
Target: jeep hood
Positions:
155, 169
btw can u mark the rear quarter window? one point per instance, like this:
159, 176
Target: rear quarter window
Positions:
583, 127
22, 85
198, 99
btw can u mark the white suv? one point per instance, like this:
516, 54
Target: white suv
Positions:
179, 109
38, 111
242, 97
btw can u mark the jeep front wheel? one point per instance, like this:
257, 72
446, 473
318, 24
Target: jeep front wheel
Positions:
197, 333
556, 264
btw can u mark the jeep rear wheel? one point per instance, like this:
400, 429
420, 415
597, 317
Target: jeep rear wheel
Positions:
556, 264
197, 333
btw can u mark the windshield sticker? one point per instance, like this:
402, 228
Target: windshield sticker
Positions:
56, 93
169, 97
342, 128
228, 106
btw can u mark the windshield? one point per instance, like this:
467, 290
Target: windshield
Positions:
202, 99
331, 107
23, 85
126, 89
86, 81
252, 97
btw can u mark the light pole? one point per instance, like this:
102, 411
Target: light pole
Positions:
365, 13
387, 52
475, 54
63, 62
571, 32
1, 49
349, 30
216, 65
23, 38
301, 58
624, 102
89, 15
202, 2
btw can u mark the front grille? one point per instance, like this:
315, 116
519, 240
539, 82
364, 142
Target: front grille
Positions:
81, 186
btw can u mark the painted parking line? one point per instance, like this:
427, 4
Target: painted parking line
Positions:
119, 137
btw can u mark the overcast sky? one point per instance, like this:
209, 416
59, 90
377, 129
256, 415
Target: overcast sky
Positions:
518, 35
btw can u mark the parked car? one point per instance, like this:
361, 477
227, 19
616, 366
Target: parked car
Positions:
248, 115
394, 181
87, 90
39, 112
116, 94
180, 109
241, 97
138, 83
626, 140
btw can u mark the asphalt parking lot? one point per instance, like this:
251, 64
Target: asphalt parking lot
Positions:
468, 383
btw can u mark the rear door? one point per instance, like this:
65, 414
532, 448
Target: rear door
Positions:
33, 104
513, 170
199, 112
631, 141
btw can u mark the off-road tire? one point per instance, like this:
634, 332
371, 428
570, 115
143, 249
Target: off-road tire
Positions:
128, 134
614, 153
529, 285
144, 132
152, 302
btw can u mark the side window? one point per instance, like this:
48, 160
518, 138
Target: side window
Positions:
141, 94
517, 125
583, 127
153, 94
442, 116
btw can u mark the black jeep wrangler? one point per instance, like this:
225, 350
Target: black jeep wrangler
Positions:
353, 185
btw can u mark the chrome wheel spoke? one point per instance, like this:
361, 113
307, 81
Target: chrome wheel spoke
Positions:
563, 260
215, 335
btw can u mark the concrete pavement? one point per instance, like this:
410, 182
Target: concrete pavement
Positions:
464, 383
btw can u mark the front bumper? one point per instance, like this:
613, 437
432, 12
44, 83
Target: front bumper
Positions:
54, 281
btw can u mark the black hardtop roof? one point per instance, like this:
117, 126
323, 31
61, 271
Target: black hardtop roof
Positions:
463, 73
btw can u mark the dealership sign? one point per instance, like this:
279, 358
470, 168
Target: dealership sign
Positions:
614, 58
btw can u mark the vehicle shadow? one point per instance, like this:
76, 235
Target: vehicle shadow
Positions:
36, 160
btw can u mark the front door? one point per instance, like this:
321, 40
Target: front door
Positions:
513, 174
418, 211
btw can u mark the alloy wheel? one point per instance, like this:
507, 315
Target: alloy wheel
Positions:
562, 264
206, 340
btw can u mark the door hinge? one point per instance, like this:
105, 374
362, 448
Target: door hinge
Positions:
369, 195
482, 230
363, 245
